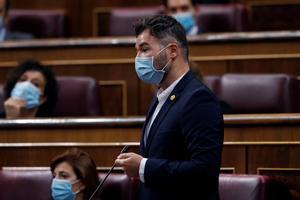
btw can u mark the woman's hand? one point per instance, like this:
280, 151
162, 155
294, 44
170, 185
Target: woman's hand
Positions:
14, 108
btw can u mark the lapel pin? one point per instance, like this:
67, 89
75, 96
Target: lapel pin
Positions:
172, 98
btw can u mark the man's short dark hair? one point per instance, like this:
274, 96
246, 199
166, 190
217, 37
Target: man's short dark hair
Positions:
166, 29
165, 2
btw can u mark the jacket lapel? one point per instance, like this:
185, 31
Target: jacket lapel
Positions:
173, 97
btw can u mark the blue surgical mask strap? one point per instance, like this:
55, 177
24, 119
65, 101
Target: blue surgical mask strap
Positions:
163, 69
76, 181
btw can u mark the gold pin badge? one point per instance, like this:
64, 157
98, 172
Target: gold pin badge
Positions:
172, 98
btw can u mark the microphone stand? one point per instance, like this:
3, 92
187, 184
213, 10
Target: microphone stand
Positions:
125, 148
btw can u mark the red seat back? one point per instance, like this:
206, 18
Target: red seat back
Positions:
39, 23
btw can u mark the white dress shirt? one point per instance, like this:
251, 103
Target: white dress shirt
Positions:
162, 96
194, 31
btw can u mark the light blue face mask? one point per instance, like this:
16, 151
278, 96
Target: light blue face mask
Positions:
186, 19
28, 92
144, 67
61, 189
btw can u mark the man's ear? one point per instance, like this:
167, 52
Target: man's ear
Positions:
174, 51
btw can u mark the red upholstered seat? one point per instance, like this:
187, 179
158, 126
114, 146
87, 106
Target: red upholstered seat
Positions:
118, 186
261, 93
211, 18
39, 23
122, 19
77, 96
223, 18
213, 83
36, 184
25, 184
251, 187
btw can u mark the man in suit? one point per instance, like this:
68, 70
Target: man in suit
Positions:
4, 33
181, 143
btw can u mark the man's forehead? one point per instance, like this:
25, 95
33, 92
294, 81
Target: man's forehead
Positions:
145, 38
175, 3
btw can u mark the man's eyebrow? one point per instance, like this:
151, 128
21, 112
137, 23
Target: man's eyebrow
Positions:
141, 44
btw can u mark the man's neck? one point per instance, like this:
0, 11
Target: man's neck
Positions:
175, 72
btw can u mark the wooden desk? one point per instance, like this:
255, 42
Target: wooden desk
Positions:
112, 59
262, 128
249, 140
254, 144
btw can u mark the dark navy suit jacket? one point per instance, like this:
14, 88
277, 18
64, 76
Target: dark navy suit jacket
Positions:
184, 145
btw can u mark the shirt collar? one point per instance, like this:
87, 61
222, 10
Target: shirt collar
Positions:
194, 30
162, 95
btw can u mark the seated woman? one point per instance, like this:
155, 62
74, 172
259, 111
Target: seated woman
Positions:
30, 91
74, 176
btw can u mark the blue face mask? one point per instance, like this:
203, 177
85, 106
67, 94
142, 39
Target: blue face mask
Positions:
186, 19
28, 92
61, 189
144, 67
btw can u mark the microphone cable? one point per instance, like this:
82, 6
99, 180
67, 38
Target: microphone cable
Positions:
125, 148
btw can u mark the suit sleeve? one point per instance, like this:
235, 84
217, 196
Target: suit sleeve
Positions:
202, 129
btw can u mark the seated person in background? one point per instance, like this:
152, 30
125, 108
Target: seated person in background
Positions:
30, 91
74, 176
184, 12
5, 34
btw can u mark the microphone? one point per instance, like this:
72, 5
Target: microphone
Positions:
99, 187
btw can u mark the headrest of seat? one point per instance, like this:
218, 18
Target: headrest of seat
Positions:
213, 83
260, 93
39, 23
122, 19
77, 96
36, 185
24, 184
117, 186
223, 18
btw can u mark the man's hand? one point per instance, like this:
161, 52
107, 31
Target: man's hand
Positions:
14, 108
130, 162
